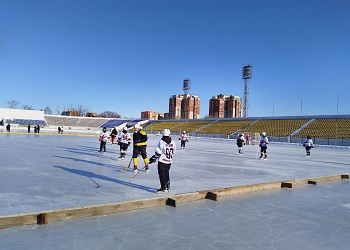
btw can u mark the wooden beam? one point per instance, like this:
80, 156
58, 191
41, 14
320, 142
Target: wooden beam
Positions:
286, 185
212, 196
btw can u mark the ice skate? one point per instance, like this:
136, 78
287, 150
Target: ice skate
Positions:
162, 191
146, 168
167, 186
135, 170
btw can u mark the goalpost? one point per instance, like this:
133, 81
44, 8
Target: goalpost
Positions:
254, 138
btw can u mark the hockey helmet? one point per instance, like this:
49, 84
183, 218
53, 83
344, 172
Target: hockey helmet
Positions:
125, 129
104, 129
166, 132
308, 137
263, 133
137, 127
184, 132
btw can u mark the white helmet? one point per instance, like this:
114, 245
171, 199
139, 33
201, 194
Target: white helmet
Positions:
184, 132
137, 127
125, 129
263, 134
242, 134
166, 132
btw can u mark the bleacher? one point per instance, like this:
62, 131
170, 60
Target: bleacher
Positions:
332, 128
69, 121
91, 122
224, 127
111, 123
328, 128
275, 127
26, 122
158, 126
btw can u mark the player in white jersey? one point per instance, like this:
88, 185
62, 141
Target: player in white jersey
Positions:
308, 144
263, 146
104, 135
164, 152
240, 141
124, 139
184, 139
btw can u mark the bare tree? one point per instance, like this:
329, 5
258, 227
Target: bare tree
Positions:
27, 107
82, 109
47, 110
58, 112
109, 114
12, 104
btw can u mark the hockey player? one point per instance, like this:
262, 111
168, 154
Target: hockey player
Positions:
164, 152
183, 138
104, 135
240, 142
140, 145
263, 146
308, 144
124, 141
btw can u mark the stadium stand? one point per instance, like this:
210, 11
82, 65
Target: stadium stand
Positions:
275, 127
58, 120
111, 123
332, 128
327, 129
224, 127
91, 122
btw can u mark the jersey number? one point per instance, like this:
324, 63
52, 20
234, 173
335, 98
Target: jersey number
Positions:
169, 153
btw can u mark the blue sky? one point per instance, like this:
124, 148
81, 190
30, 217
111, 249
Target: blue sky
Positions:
130, 56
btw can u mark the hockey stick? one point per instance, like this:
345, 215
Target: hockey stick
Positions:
129, 165
256, 155
136, 174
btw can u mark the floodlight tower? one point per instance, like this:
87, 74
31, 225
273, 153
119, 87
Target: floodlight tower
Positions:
246, 76
186, 85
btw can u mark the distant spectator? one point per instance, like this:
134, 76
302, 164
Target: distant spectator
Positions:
114, 134
38, 128
247, 140
35, 129
59, 130
29, 128
8, 127
62, 130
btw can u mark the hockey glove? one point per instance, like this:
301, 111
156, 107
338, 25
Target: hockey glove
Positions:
153, 159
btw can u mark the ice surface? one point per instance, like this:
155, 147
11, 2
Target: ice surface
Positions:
41, 172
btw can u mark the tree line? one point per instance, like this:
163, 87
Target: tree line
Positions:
81, 109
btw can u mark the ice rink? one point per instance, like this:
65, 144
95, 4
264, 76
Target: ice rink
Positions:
47, 172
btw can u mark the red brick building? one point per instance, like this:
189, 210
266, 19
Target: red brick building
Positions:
185, 106
223, 106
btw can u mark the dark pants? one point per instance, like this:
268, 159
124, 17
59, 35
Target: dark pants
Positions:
139, 150
263, 151
163, 172
308, 150
183, 143
123, 149
103, 146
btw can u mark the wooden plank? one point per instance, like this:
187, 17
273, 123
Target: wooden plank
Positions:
312, 182
212, 196
79, 212
170, 202
286, 185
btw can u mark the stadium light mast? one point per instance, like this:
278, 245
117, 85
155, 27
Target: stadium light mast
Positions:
186, 85
246, 76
